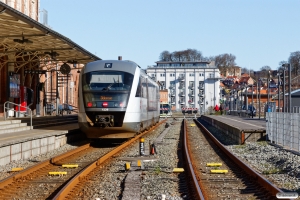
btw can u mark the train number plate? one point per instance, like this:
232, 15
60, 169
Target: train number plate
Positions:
104, 109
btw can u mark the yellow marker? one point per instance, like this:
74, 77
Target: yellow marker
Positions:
193, 124
139, 163
127, 166
219, 171
57, 173
16, 169
70, 165
178, 170
142, 140
213, 164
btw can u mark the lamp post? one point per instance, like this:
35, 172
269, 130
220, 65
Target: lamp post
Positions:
268, 90
278, 88
259, 98
246, 97
252, 100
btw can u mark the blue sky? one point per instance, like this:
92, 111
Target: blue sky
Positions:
257, 32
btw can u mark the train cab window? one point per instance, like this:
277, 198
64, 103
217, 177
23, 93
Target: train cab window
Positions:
107, 81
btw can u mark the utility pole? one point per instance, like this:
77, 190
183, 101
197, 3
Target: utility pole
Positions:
252, 100
278, 87
57, 93
259, 96
290, 88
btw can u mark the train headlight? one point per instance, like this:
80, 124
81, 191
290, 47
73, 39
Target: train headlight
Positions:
89, 104
104, 104
121, 104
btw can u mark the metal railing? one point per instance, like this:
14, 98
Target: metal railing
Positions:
18, 111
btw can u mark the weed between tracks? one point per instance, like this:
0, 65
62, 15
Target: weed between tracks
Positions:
157, 170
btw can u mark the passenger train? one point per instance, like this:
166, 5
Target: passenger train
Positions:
117, 99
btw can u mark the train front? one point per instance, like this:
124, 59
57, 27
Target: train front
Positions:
105, 92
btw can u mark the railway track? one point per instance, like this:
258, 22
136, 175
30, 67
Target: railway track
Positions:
228, 177
51, 179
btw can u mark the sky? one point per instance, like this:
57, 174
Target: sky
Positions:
258, 32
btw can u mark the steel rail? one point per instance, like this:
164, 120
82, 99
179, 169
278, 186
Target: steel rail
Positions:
270, 187
192, 172
22, 174
83, 174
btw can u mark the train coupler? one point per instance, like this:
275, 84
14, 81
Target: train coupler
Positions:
104, 121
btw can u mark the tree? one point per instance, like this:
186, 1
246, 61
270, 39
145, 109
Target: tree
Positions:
265, 70
224, 62
165, 56
244, 70
181, 56
281, 63
294, 60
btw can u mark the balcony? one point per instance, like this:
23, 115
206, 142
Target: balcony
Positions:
201, 95
181, 77
191, 87
173, 102
172, 87
182, 94
200, 102
201, 87
191, 102
181, 87
214, 77
181, 102
172, 95
191, 94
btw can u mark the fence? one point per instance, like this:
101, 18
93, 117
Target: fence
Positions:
284, 129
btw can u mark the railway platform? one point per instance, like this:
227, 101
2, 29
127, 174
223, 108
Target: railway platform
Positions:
48, 133
239, 129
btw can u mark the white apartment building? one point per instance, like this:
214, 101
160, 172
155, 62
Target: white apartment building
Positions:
190, 84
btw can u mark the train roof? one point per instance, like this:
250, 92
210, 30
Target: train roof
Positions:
115, 65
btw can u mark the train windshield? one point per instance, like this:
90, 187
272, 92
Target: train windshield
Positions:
107, 81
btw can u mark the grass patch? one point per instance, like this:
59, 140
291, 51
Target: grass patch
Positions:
157, 170
263, 143
272, 171
240, 146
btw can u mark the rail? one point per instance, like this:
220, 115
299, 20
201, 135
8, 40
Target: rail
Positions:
256, 176
19, 106
197, 187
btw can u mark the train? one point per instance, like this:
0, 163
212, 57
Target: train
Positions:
117, 99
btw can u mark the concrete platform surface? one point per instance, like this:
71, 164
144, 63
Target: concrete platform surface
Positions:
241, 123
23, 136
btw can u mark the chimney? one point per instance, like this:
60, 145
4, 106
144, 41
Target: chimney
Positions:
120, 58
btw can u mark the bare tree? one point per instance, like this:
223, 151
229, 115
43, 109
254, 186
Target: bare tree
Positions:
265, 70
244, 70
224, 62
294, 60
181, 56
281, 63
165, 56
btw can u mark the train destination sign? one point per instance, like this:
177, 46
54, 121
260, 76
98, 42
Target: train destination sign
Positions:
105, 98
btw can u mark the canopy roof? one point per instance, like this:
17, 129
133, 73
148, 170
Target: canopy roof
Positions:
24, 40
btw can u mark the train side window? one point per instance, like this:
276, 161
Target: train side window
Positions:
139, 89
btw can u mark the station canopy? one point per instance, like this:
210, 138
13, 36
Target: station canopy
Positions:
26, 42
